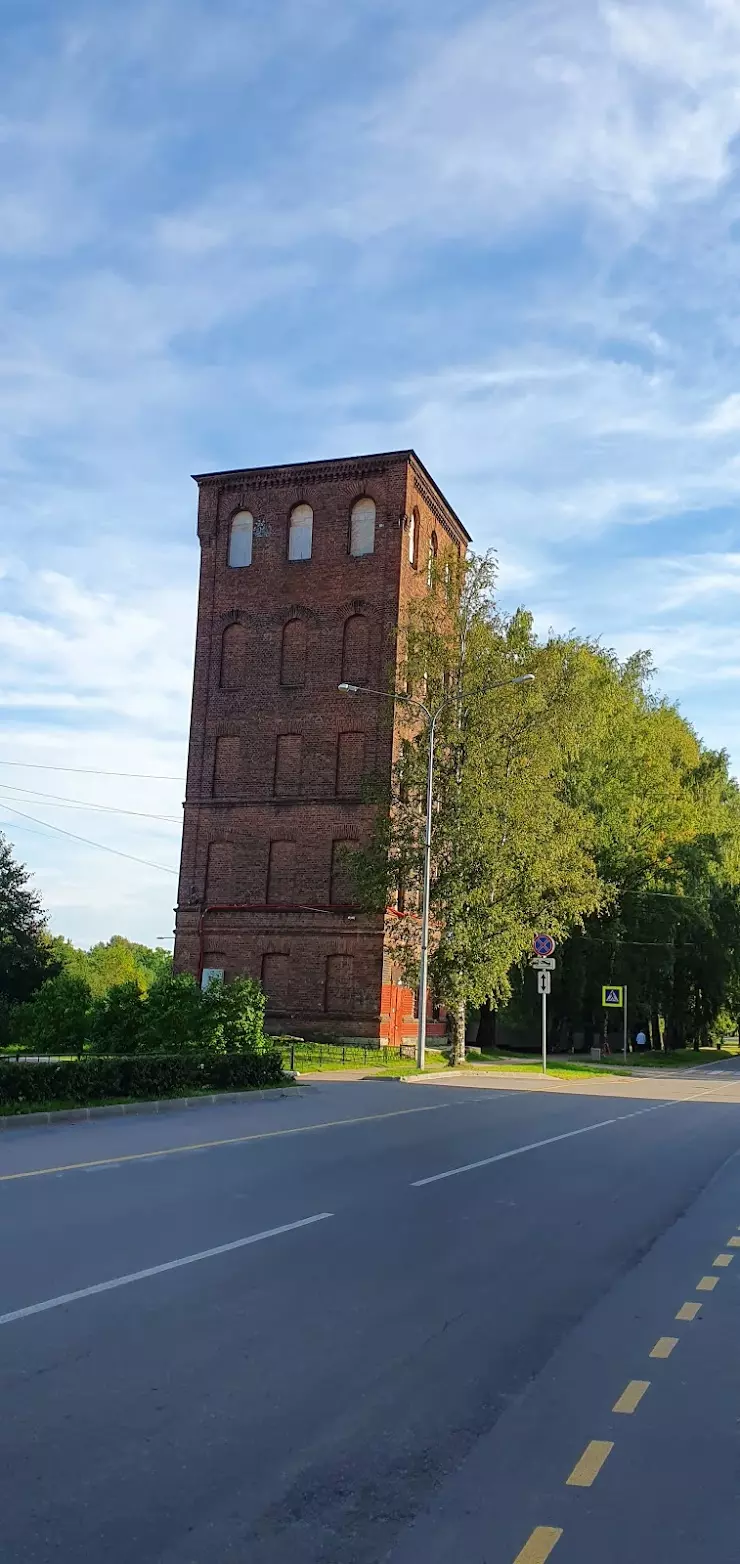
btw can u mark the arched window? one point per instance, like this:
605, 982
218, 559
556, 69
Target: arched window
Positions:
362, 527
355, 650
233, 658
240, 539
431, 562
293, 659
300, 533
414, 540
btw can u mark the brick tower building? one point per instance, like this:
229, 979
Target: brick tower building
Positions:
305, 574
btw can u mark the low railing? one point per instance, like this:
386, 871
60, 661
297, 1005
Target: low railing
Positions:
298, 1054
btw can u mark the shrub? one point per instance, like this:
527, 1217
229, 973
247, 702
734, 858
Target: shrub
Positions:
236, 1016
56, 1020
118, 1025
93, 1080
176, 1018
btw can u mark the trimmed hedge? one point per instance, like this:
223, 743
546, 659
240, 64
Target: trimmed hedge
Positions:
83, 1082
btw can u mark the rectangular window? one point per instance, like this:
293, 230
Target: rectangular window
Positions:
227, 766
275, 979
219, 873
281, 873
338, 991
350, 764
287, 781
343, 890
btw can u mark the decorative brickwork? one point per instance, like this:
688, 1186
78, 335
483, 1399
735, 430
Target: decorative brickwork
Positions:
278, 755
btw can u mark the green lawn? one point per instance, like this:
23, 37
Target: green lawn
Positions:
683, 1057
310, 1064
556, 1065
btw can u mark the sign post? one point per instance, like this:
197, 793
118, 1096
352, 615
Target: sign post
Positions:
544, 946
614, 997
543, 987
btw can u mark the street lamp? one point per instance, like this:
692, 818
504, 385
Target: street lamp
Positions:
431, 718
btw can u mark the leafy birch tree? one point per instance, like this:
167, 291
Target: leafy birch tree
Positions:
511, 853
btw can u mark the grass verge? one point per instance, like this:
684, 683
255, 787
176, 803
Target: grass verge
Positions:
564, 1068
682, 1058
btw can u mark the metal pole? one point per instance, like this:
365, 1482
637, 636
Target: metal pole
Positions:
544, 1032
625, 1023
422, 1034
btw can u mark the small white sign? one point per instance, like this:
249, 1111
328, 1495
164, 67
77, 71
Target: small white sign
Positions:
543, 982
211, 975
543, 963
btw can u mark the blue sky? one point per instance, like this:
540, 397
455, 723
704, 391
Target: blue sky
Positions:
507, 234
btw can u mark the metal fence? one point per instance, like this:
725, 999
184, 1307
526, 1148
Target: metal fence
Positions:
298, 1054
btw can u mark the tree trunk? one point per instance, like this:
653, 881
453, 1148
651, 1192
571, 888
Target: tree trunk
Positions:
457, 1018
655, 1031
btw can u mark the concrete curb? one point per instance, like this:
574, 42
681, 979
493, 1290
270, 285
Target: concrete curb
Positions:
121, 1110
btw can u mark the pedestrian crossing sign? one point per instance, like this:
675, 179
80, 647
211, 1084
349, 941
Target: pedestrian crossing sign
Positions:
612, 997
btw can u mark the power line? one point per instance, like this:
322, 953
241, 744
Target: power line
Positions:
89, 771
80, 803
86, 839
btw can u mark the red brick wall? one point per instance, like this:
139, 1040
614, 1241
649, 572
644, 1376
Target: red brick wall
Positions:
277, 754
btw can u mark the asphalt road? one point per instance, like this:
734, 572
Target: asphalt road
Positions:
335, 1354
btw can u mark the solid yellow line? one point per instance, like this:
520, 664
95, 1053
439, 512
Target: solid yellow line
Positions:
631, 1396
707, 1284
724, 1260
587, 1469
232, 1140
733, 1243
540, 1545
664, 1346
688, 1311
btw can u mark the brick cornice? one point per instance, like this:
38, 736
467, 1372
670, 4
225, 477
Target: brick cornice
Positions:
292, 477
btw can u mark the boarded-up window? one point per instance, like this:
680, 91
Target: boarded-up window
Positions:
356, 650
350, 764
219, 873
342, 890
275, 979
234, 658
227, 766
339, 984
414, 539
362, 527
281, 873
293, 659
300, 532
240, 539
287, 780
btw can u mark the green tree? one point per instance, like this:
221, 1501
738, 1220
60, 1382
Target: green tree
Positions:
119, 1021
511, 852
235, 1016
56, 1019
26, 954
176, 1017
112, 962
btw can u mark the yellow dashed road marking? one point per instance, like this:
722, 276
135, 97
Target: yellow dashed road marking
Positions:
587, 1469
723, 1260
707, 1284
688, 1311
540, 1545
664, 1346
631, 1396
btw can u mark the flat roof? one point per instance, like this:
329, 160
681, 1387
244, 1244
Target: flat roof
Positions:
371, 456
